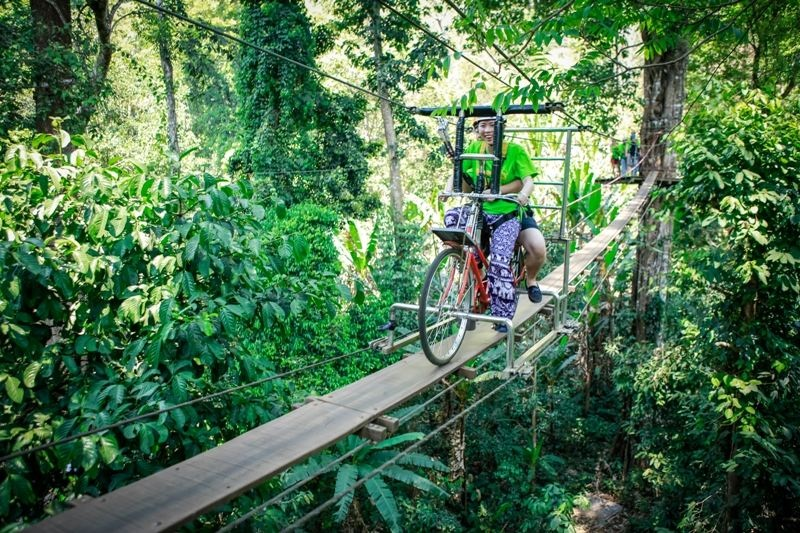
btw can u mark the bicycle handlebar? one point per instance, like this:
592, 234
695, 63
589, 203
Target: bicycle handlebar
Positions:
480, 196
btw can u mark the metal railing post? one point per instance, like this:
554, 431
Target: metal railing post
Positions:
564, 234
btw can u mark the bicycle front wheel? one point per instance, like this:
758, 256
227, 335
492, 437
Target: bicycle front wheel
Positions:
448, 289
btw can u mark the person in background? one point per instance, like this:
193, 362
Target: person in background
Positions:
617, 153
633, 155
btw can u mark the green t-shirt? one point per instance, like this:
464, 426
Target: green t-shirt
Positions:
516, 166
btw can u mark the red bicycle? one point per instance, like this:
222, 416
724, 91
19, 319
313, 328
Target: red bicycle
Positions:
456, 288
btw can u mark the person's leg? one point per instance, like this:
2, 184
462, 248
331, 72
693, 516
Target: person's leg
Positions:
457, 217
501, 280
532, 240
535, 252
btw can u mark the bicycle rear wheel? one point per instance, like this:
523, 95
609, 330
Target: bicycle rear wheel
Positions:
448, 289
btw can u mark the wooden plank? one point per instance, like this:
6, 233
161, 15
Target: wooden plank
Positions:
179, 493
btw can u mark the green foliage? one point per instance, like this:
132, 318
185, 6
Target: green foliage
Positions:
585, 202
122, 292
740, 188
712, 411
297, 138
399, 268
408, 58
380, 493
16, 41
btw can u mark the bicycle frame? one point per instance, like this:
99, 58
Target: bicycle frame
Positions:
481, 299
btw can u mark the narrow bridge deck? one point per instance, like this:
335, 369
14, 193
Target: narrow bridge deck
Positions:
178, 494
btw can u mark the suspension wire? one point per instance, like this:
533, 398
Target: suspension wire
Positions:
690, 106
497, 48
271, 172
441, 41
585, 127
678, 59
241, 41
325, 468
336, 497
151, 414
275, 499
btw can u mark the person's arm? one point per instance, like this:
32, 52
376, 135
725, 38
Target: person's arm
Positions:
525, 190
508, 188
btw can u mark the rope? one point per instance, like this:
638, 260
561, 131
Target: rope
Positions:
442, 42
417, 410
336, 497
241, 41
127, 421
497, 48
245, 517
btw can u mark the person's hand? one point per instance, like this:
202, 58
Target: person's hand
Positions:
441, 197
523, 198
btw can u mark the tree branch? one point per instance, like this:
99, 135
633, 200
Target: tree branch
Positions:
480, 32
672, 61
539, 26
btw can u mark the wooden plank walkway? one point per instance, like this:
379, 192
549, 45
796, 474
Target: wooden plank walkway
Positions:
180, 493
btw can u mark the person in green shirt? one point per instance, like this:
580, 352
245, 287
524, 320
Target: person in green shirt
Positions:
617, 154
500, 216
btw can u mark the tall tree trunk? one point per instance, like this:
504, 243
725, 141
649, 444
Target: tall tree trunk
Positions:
103, 20
664, 96
395, 183
56, 92
169, 87
52, 78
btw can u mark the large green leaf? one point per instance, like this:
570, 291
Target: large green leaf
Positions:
109, 449
410, 478
383, 499
345, 478
423, 461
29, 374
132, 308
397, 439
191, 248
88, 452
21, 488
14, 391
98, 221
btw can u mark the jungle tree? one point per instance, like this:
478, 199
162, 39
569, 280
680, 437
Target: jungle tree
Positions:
297, 137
